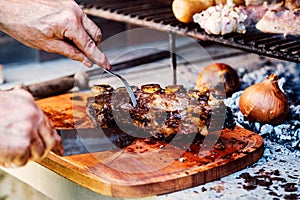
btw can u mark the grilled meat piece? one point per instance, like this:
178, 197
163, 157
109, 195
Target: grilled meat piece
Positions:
283, 21
99, 106
159, 112
292, 4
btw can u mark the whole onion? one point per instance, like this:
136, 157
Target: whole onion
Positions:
265, 102
220, 78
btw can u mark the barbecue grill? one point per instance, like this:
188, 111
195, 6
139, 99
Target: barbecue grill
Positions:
157, 14
275, 175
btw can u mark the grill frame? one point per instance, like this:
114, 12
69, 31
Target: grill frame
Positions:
157, 14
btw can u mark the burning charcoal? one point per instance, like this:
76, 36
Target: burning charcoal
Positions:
240, 118
290, 187
272, 193
245, 175
266, 130
291, 196
264, 181
257, 126
295, 109
249, 186
296, 145
297, 134
229, 119
276, 172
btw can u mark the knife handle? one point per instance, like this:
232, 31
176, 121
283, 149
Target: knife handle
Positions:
51, 87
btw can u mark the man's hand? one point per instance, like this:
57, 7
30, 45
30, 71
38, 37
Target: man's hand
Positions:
58, 26
25, 132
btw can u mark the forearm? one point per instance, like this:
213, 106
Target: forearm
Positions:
3, 13
51, 25
9, 9
18, 16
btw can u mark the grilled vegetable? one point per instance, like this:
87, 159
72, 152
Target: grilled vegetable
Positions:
220, 78
265, 102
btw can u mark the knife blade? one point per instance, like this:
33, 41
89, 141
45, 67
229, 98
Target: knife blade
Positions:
89, 140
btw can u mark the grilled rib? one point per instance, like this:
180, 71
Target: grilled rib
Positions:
160, 112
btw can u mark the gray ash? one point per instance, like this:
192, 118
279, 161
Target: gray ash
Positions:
287, 133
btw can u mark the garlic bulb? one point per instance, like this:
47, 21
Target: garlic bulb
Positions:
265, 102
222, 19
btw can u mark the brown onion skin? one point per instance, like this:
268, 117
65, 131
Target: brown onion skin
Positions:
219, 74
265, 102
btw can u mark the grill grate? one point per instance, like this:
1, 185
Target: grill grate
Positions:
158, 14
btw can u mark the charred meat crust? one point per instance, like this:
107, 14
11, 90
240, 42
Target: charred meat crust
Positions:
160, 112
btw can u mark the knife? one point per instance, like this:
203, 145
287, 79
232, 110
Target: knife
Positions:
89, 140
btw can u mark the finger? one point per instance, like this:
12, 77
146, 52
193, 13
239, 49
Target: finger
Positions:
15, 162
9, 165
84, 42
22, 93
68, 50
46, 134
21, 160
58, 148
15, 151
92, 29
37, 148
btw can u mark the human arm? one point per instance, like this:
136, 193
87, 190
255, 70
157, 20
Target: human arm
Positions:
57, 26
25, 132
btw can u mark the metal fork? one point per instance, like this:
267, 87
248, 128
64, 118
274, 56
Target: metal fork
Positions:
127, 86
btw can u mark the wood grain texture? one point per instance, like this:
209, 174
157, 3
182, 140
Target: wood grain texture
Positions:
147, 167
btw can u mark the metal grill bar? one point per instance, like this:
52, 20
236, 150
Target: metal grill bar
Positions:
158, 14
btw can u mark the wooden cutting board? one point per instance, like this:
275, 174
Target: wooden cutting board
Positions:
146, 167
